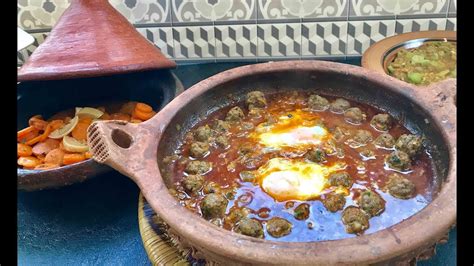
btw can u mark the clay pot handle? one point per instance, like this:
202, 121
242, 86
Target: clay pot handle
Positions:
126, 147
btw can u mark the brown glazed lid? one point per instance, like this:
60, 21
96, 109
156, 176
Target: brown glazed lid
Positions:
92, 39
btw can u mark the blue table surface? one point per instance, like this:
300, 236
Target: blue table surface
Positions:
95, 223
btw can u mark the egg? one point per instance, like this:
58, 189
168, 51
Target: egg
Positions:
298, 130
295, 179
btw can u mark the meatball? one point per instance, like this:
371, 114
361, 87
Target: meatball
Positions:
203, 133
236, 214
339, 106
362, 136
385, 140
278, 227
247, 126
316, 155
256, 112
400, 187
222, 141
193, 183
340, 179
302, 211
371, 203
211, 187
398, 160
250, 227
256, 99
355, 220
213, 206
318, 103
411, 144
334, 202
354, 115
382, 122
340, 133
235, 114
198, 167
199, 149
330, 146
221, 126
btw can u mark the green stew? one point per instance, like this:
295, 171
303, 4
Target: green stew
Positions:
431, 62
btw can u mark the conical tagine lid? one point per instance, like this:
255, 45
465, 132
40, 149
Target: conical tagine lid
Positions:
92, 39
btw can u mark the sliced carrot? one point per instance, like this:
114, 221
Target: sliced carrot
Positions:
24, 150
55, 156
88, 154
43, 148
28, 161
85, 119
46, 166
142, 115
120, 116
38, 122
71, 158
41, 137
22, 133
80, 131
29, 136
143, 107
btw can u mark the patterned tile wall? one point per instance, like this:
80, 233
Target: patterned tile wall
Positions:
190, 30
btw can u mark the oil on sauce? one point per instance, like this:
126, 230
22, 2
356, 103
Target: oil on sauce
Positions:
321, 224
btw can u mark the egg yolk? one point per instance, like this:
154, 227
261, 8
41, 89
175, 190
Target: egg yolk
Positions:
299, 130
292, 179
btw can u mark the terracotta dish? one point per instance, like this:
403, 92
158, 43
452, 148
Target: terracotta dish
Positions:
378, 56
92, 39
137, 150
49, 97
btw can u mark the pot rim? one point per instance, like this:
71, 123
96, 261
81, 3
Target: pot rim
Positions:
377, 55
408, 236
32, 180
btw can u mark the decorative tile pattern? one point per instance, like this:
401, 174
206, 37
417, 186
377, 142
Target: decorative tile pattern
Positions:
213, 10
194, 42
40, 14
390, 8
362, 34
426, 7
234, 41
144, 11
279, 39
324, 38
261, 30
296, 9
43, 14
408, 25
368, 8
451, 24
162, 37
452, 8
